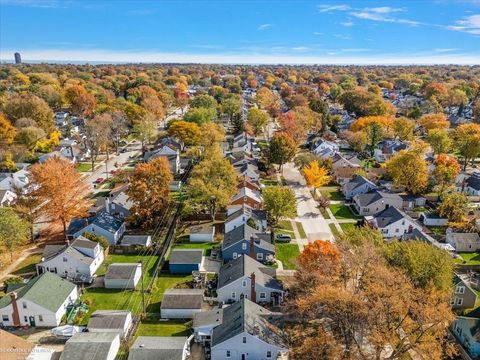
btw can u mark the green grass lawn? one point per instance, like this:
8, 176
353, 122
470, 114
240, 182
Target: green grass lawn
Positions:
438, 230
334, 230
324, 213
27, 266
84, 167
341, 211
154, 327
206, 247
469, 258
301, 230
270, 182
332, 194
286, 225
347, 226
287, 254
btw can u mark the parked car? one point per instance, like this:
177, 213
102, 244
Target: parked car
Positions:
99, 180
283, 238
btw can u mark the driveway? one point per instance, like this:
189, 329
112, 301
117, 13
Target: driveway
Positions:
314, 224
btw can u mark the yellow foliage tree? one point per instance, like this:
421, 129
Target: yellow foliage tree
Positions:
315, 175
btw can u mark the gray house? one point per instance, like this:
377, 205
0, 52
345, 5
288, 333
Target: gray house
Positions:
246, 278
245, 240
375, 201
463, 295
357, 185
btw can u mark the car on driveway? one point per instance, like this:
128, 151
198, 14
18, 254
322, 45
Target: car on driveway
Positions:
283, 238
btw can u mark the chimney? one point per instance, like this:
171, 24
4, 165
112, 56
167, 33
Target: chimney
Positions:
252, 247
15, 314
253, 293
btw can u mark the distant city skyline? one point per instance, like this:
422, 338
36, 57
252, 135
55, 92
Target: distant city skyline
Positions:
242, 32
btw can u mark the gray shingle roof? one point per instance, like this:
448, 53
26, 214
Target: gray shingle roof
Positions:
245, 266
208, 318
136, 239
374, 196
184, 256
389, 216
108, 319
122, 271
108, 222
356, 181
157, 348
247, 316
473, 182
182, 299
88, 346
245, 232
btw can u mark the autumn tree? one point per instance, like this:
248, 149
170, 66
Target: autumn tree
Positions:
454, 206
434, 121
27, 105
409, 169
315, 175
13, 230
187, 132
466, 138
211, 136
7, 131
61, 191
281, 149
280, 202
82, 102
203, 101
264, 97
320, 256
98, 135
27, 207
118, 128
257, 119
446, 170
231, 106
364, 103
144, 130
439, 140
403, 128
149, 191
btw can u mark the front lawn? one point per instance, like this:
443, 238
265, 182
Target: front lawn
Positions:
287, 254
84, 167
27, 266
284, 227
334, 230
347, 226
468, 258
154, 327
301, 230
341, 211
332, 194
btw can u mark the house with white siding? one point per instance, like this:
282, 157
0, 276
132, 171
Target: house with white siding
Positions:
393, 223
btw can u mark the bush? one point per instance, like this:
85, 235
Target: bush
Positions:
102, 240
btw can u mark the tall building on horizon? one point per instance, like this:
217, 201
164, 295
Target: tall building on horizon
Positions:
18, 58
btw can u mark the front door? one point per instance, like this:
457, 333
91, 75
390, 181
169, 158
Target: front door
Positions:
32, 321
244, 356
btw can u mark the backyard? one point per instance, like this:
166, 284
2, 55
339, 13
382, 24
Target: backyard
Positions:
27, 266
287, 254
153, 327
468, 258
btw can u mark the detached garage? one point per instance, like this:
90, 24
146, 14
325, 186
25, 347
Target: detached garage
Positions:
123, 276
185, 261
202, 233
181, 303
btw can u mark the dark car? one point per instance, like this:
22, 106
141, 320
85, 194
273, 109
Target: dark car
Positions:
283, 238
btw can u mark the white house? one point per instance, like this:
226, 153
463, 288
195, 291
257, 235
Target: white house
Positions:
7, 197
110, 321
12, 181
123, 276
392, 222
77, 261
88, 345
463, 242
247, 196
357, 185
433, 219
321, 145
239, 215
103, 224
374, 201
472, 185
42, 302
181, 303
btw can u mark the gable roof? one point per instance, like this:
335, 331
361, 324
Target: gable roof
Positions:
122, 271
46, 290
464, 238
245, 266
157, 348
389, 216
375, 195
472, 324
108, 319
246, 232
182, 299
208, 318
246, 316
357, 181
247, 192
86, 345
186, 256
107, 222
13, 347
473, 182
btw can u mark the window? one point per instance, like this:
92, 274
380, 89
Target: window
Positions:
244, 283
452, 302
24, 304
40, 318
260, 256
244, 246
244, 340
5, 318
459, 301
25, 319
234, 295
269, 354
397, 230
235, 255
65, 259
228, 353
460, 290
263, 295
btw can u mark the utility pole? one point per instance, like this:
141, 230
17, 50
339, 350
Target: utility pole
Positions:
143, 292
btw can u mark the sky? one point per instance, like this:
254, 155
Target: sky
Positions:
242, 32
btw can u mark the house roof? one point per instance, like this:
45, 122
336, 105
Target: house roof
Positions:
186, 256
108, 319
208, 318
356, 181
201, 229
46, 290
136, 239
245, 266
247, 192
157, 348
83, 242
122, 271
13, 347
373, 196
123, 200
246, 316
473, 182
182, 299
472, 324
464, 238
108, 222
245, 232
91, 346
389, 216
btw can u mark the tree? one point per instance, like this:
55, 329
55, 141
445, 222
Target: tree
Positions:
187, 132
61, 191
409, 169
434, 121
13, 230
119, 128
212, 184
403, 128
203, 101
280, 202
144, 130
257, 119
231, 106
281, 149
466, 139
102, 240
315, 175
439, 140
200, 115
97, 135
7, 131
149, 191
28, 208
320, 256
454, 206
211, 135
82, 102
364, 103
264, 97
27, 105
30, 136
293, 127
357, 140
446, 170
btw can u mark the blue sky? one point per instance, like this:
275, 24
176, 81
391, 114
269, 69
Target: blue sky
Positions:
331, 32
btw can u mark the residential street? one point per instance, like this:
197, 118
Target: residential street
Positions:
312, 220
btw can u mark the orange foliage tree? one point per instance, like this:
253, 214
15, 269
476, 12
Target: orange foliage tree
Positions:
434, 121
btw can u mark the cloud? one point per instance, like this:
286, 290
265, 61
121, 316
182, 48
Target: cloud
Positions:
331, 8
343, 37
264, 26
384, 14
317, 33
300, 48
444, 50
469, 24
347, 23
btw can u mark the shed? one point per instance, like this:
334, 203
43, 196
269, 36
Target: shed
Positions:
181, 303
159, 348
433, 219
202, 233
110, 321
123, 275
184, 261
92, 346
132, 240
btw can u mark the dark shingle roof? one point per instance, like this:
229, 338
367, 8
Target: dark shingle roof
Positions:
374, 196
389, 216
182, 299
157, 348
88, 346
473, 182
108, 222
108, 319
122, 271
184, 256
245, 232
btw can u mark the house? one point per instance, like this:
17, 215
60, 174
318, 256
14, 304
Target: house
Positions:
374, 201
77, 261
61, 118
159, 348
136, 240
321, 145
392, 222
202, 233
345, 160
463, 242
110, 321
103, 224
42, 302
472, 185
248, 331
249, 170
467, 332
91, 346
14, 181
53, 155
344, 174
168, 148
243, 215
118, 204
246, 196
245, 240
122, 276
464, 297
247, 182
184, 261
432, 218
357, 185
387, 148
181, 303
13, 347
245, 277
7, 197
411, 201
